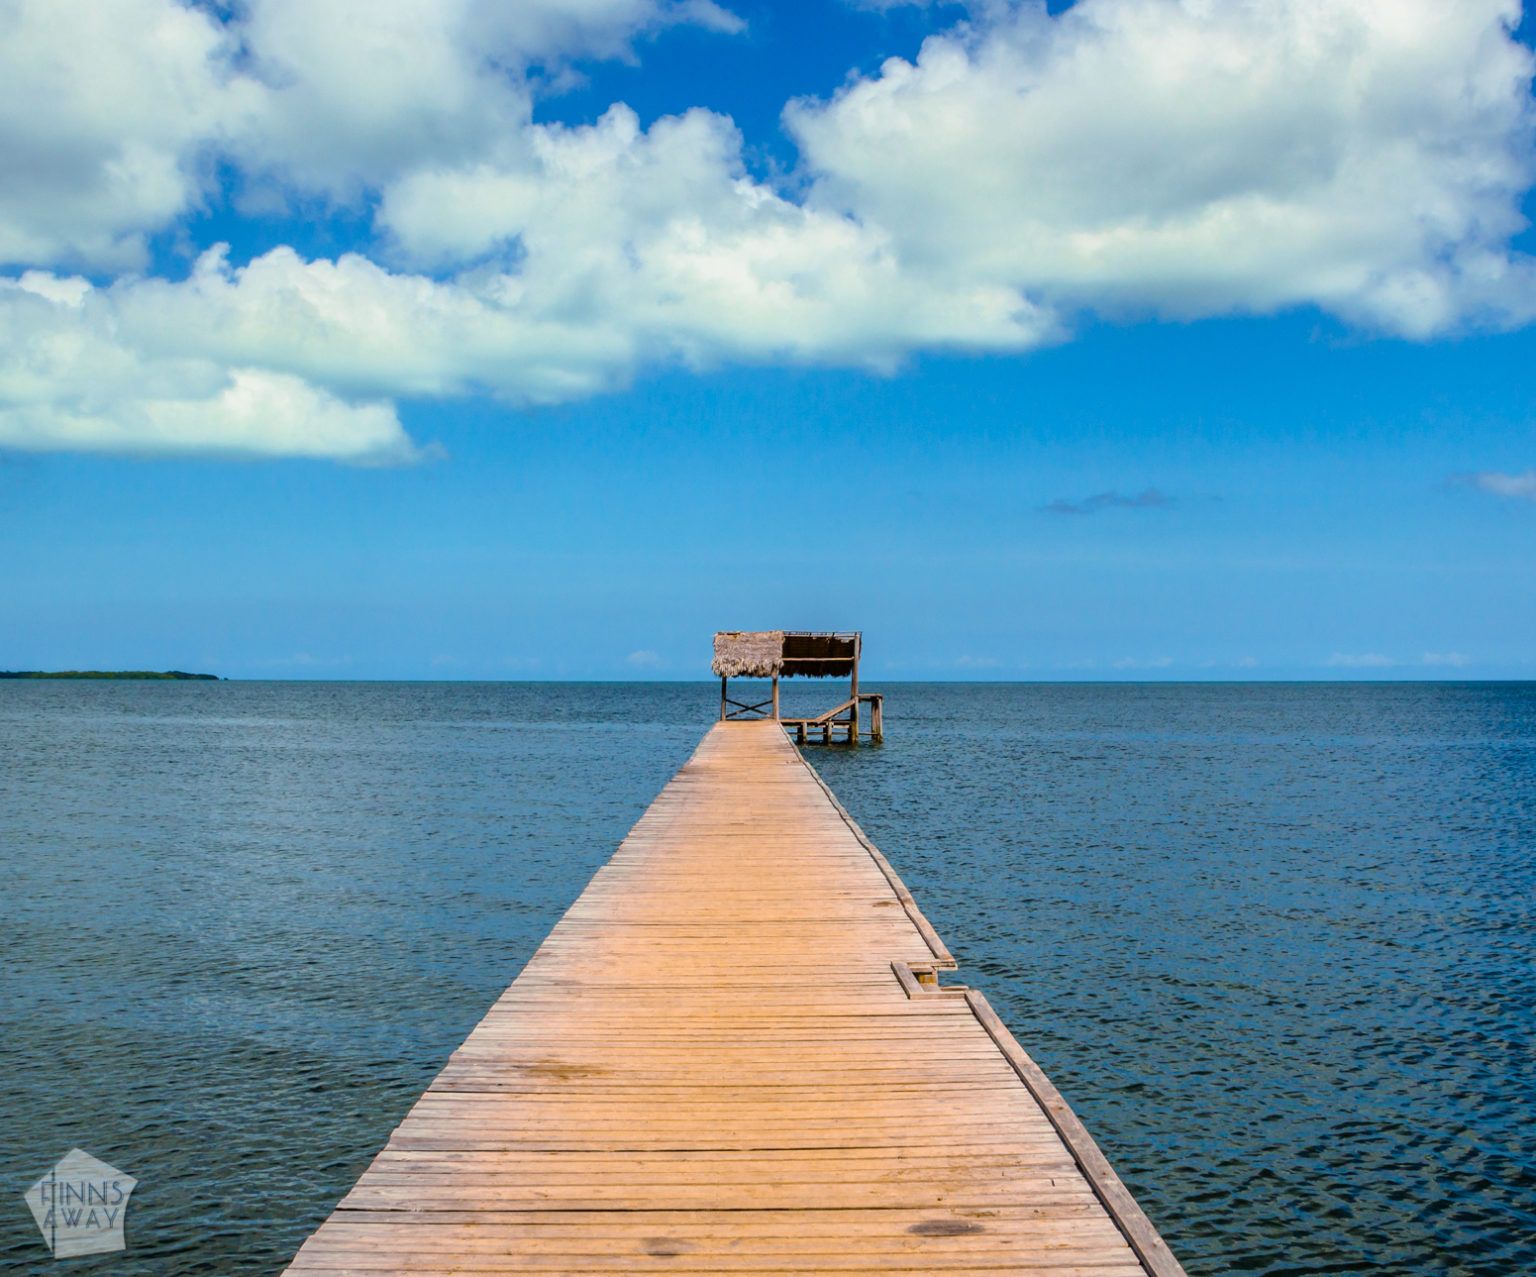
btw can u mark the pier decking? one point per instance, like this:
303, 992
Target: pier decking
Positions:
730, 1056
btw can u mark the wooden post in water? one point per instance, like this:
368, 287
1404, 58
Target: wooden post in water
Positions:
853, 693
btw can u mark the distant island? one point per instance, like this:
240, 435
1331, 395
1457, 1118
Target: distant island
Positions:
158, 674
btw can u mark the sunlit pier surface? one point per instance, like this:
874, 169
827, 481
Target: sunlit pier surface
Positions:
733, 1055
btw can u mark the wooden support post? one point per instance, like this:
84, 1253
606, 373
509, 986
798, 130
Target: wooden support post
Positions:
775, 698
853, 695
877, 719
723, 682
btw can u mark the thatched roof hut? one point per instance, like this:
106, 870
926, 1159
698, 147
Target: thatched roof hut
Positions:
748, 653
785, 654
776, 654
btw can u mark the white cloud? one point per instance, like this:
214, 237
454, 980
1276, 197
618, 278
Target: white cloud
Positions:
357, 93
662, 234
644, 659
1180, 157
362, 329
254, 414
68, 380
1360, 661
106, 111
1455, 659
1518, 486
1201, 157
112, 116
1378, 661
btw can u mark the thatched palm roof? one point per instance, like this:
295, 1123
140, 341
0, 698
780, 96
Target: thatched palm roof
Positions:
748, 653
791, 654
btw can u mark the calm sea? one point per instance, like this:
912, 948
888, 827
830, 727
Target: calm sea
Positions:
1274, 942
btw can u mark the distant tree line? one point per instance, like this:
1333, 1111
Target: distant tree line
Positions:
160, 674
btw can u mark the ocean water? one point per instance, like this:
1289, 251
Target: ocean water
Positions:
1274, 942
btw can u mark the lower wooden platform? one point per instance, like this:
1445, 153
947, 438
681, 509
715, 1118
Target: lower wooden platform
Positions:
731, 1055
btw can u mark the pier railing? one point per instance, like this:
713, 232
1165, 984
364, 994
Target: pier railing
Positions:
844, 718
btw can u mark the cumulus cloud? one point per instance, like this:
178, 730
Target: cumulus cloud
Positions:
113, 116
361, 328
254, 413
1183, 158
357, 94
1147, 499
69, 380
1199, 157
107, 114
662, 233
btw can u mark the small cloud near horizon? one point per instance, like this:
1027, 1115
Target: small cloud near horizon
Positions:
1138, 663
1456, 659
1148, 499
1379, 661
1359, 661
644, 659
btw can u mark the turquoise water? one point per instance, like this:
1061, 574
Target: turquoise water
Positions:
1274, 942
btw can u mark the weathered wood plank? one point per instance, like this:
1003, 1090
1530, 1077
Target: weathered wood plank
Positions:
730, 1056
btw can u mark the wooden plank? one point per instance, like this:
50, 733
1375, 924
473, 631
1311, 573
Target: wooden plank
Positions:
731, 1055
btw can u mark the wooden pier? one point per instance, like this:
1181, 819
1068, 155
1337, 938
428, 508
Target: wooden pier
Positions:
732, 1055
776, 654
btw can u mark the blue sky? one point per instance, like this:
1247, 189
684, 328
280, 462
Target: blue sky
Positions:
1149, 339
